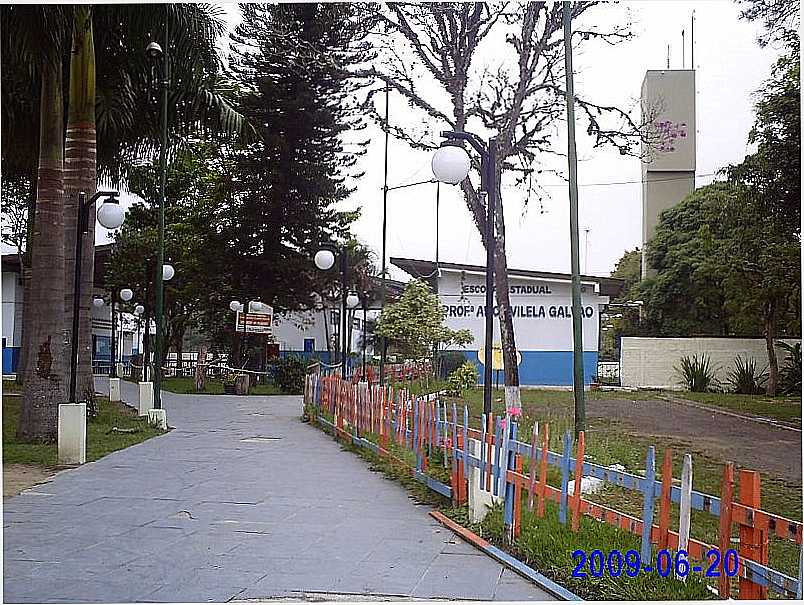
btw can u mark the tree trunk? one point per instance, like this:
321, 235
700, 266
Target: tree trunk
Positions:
325, 313
46, 364
201, 370
80, 175
25, 271
506, 318
773, 363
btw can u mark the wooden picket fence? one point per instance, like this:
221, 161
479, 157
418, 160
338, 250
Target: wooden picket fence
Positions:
394, 372
428, 426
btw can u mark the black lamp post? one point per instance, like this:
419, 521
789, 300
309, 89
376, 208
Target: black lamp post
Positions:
325, 259
110, 215
451, 165
155, 53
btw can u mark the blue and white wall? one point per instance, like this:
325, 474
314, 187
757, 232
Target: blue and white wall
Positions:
12, 320
542, 323
305, 333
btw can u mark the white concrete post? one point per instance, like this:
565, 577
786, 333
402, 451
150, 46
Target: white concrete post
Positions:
158, 418
72, 433
146, 397
480, 501
119, 369
114, 389
684, 507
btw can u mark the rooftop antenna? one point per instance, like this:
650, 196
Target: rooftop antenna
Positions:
692, 40
683, 48
668, 56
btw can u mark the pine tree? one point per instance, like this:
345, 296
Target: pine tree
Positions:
292, 66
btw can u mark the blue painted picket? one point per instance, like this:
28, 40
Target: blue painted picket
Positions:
647, 506
565, 471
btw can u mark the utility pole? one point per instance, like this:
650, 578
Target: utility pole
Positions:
577, 319
383, 345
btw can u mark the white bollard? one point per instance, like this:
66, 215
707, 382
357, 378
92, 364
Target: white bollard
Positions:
72, 433
119, 369
480, 501
114, 389
158, 418
146, 397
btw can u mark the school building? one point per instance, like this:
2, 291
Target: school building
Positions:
542, 315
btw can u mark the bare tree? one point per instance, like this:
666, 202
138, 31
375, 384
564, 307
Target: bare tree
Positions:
518, 94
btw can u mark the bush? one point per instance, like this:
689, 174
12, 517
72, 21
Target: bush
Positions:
697, 374
289, 374
461, 379
790, 373
745, 379
449, 361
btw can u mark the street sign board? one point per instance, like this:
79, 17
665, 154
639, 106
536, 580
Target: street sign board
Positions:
256, 322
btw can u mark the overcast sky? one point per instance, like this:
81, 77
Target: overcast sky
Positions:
729, 65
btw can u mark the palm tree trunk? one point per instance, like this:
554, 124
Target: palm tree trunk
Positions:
25, 271
81, 175
45, 364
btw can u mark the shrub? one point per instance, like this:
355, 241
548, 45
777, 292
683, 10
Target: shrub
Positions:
289, 374
790, 373
697, 374
449, 361
745, 379
461, 379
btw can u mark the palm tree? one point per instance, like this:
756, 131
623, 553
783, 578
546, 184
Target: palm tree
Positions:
127, 125
44, 367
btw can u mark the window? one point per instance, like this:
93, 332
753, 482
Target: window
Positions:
309, 345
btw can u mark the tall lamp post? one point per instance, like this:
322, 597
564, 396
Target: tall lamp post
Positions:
325, 259
364, 300
110, 215
236, 306
126, 294
154, 52
145, 329
451, 165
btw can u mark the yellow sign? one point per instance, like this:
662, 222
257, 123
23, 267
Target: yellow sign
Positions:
496, 356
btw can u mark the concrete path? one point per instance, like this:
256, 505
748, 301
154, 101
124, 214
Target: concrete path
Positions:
240, 501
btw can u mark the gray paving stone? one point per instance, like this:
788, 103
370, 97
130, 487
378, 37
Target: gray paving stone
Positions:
200, 515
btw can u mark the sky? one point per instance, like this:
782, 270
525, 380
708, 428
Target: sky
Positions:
730, 67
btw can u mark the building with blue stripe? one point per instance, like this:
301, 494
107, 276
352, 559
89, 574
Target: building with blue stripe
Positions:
541, 305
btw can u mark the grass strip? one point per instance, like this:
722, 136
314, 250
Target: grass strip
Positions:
100, 440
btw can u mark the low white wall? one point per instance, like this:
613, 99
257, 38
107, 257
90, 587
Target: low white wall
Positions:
650, 362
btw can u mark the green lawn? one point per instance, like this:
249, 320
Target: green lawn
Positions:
11, 386
213, 387
100, 441
783, 409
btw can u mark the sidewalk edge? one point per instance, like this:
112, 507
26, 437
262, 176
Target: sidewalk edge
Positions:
503, 557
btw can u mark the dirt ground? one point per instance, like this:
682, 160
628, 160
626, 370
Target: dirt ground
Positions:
749, 444
19, 477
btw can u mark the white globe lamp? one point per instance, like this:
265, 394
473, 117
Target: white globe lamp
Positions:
98, 302
235, 306
168, 272
450, 164
324, 259
110, 215
139, 310
126, 294
352, 300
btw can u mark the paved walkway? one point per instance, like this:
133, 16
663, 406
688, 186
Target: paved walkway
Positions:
240, 501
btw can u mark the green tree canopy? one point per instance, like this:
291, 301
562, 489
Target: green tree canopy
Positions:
415, 323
